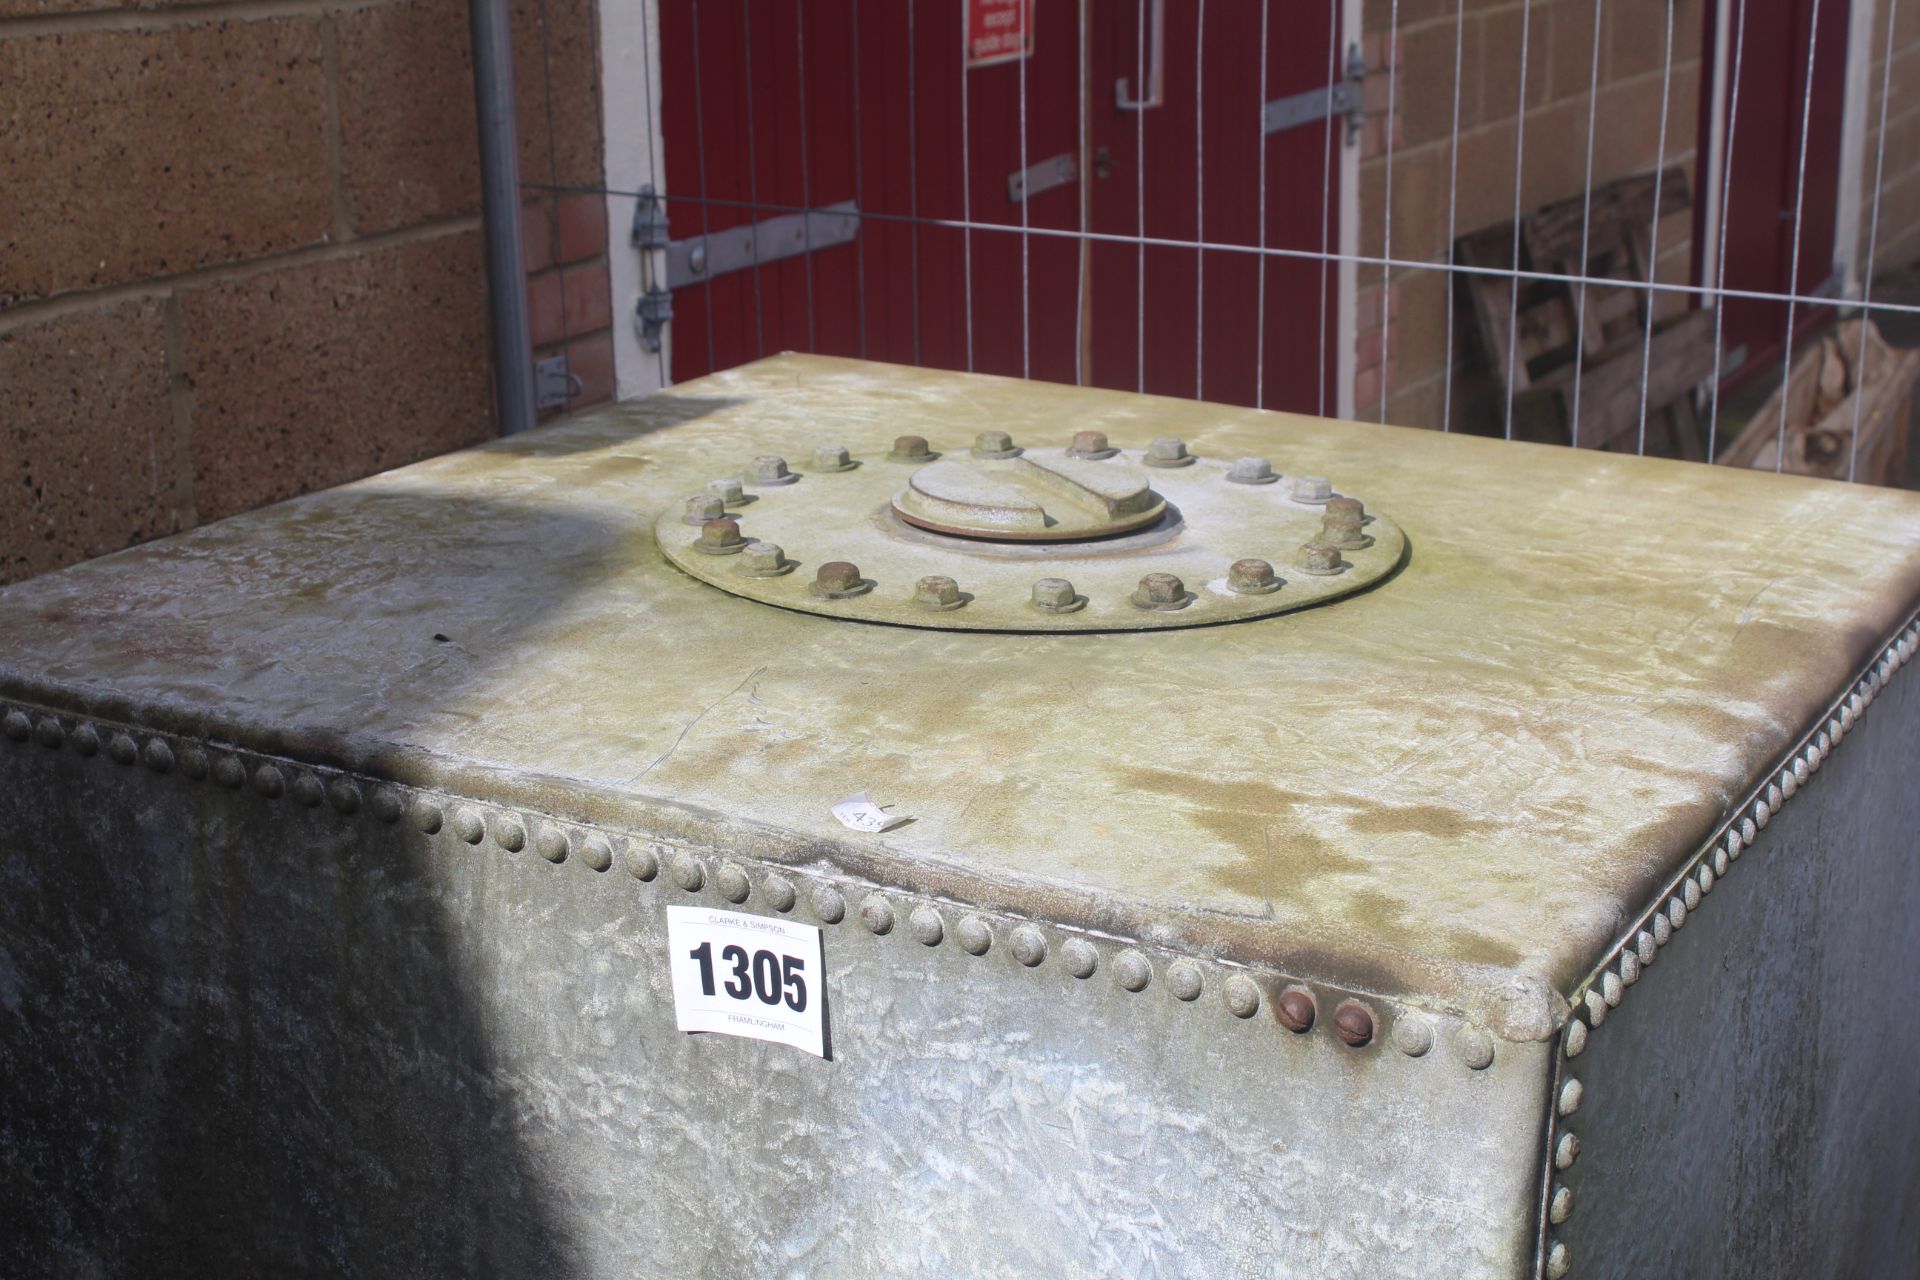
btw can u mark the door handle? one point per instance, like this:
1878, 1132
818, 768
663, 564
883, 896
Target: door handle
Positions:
1155, 70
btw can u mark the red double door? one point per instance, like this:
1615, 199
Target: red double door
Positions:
923, 112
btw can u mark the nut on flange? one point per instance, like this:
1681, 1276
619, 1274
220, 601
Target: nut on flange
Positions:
1252, 471
1341, 525
720, 538
1056, 595
939, 594
1252, 578
911, 449
770, 470
766, 560
702, 507
833, 457
729, 492
1168, 451
1321, 559
995, 444
839, 580
1091, 445
1163, 592
1312, 489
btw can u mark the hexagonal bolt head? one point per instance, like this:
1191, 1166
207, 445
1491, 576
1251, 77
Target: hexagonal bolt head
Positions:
911, 449
1295, 1011
994, 444
720, 538
1252, 578
728, 491
1168, 451
1161, 591
765, 560
832, 457
1353, 1023
938, 593
1321, 559
1090, 444
838, 579
702, 507
1315, 489
1056, 595
1252, 471
1341, 528
1354, 505
769, 469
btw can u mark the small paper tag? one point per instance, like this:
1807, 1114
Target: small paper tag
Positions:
744, 975
862, 814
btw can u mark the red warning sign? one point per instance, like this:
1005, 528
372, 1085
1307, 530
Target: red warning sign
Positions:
998, 31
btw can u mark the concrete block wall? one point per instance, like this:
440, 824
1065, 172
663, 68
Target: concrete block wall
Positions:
1407, 347
240, 252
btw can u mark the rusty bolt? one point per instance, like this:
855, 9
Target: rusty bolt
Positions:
1056, 595
1252, 471
1252, 578
939, 594
833, 457
1354, 505
1321, 559
1342, 529
837, 580
911, 449
994, 444
720, 538
728, 491
770, 469
1168, 451
1090, 444
1314, 489
1294, 1009
1161, 591
702, 507
765, 560
1353, 1023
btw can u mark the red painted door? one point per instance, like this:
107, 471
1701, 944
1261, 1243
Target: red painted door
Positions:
1770, 202
784, 105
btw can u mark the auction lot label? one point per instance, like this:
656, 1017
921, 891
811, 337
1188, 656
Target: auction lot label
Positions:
745, 975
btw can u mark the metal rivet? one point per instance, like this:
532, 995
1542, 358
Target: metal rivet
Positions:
1029, 946
1690, 893
227, 770
937, 593
770, 470
701, 508
509, 833
1240, 995
994, 444
911, 449
1566, 1151
268, 782
1720, 861
779, 893
1629, 968
1168, 451
1748, 830
974, 936
1571, 1092
427, 816
1131, 971
1676, 912
387, 805
122, 749
1662, 929
1560, 1207
839, 580
1475, 1048
1597, 1007
1321, 559
18, 726
1252, 471
731, 882
877, 914
598, 855
928, 928
344, 796
1341, 526
829, 905
1183, 981
1645, 947
1078, 957
307, 790
1413, 1035
729, 492
1847, 715
1056, 595
1789, 783
48, 733
1774, 798
1252, 578
1802, 768
720, 538
832, 457
551, 844
1576, 1038
688, 873
1161, 592
1612, 989
1734, 843
194, 763
1294, 1009
1559, 1261
1705, 877
1091, 445
766, 560
86, 740
1353, 1023
158, 755
1312, 489
468, 826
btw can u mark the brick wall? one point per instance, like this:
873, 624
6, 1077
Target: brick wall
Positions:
240, 255
1899, 239
1410, 351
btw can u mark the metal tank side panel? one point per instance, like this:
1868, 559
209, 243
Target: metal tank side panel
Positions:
262, 1018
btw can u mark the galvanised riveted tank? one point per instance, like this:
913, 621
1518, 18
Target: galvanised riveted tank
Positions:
1287, 848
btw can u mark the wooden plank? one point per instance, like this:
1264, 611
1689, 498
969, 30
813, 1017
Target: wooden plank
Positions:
1679, 358
1553, 233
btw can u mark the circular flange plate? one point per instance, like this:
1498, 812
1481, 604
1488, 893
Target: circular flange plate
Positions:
1204, 526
